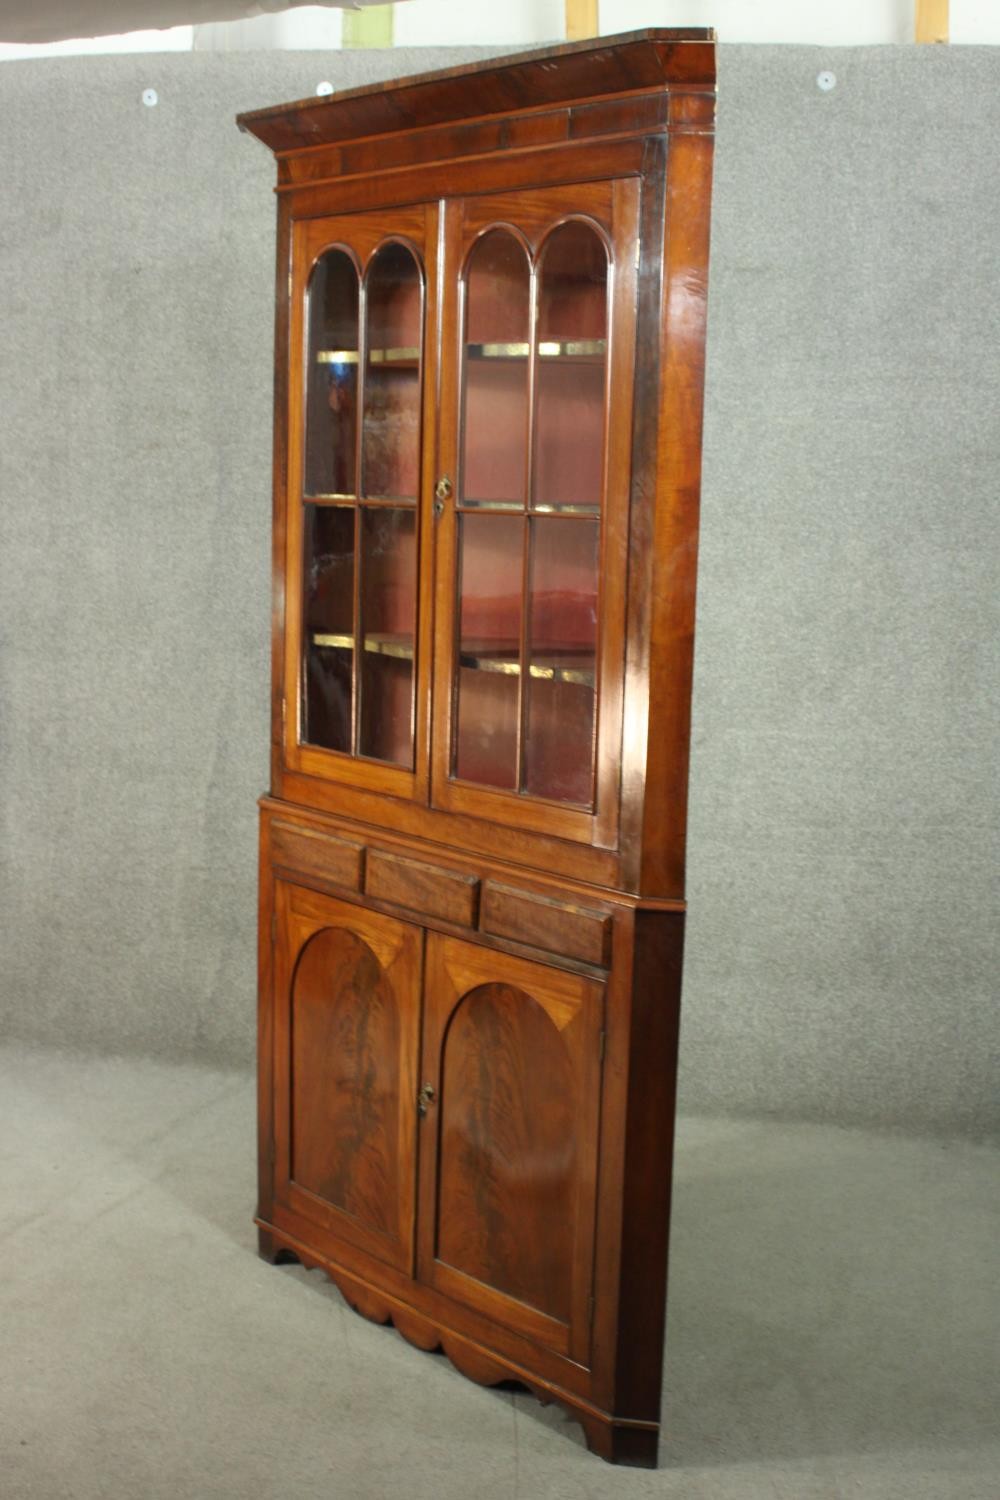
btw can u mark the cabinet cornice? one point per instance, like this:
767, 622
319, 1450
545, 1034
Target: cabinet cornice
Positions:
588, 70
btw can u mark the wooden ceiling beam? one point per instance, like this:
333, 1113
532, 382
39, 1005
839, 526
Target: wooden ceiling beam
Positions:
581, 19
931, 20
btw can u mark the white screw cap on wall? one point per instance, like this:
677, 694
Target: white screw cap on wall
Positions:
150, 97
826, 81
324, 88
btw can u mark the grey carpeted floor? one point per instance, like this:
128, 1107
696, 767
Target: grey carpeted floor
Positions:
833, 1326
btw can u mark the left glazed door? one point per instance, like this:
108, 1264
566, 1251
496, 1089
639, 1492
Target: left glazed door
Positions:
347, 1019
360, 370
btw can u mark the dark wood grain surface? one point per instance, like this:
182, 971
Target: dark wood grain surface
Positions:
470, 996
559, 926
345, 1027
345, 1068
428, 890
508, 1190
582, 70
507, 1154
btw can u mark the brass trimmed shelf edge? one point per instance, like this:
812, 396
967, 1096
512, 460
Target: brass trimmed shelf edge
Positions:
375, 356
595, 349
380, 645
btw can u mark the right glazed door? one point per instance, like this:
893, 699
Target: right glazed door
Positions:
509, 1140
532, 505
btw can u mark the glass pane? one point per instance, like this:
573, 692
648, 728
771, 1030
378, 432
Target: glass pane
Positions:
388, 622
562, 660
391, 424
570, 379
489, 649
328, 625
332, 376
495, 397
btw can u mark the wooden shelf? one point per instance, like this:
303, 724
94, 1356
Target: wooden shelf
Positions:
542, 669
393, 359
578, 351
549, 665
400, 647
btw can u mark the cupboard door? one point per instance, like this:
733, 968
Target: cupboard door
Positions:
535, 446
347, 1010
359, 395
508, 1150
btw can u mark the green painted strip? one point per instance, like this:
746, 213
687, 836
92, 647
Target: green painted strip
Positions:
371, 27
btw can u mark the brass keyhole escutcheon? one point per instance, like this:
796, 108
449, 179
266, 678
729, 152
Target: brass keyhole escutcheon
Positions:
442, 489
424, 1098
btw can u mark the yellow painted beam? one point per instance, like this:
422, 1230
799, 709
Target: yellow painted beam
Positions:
581, 19
932, 20
371, 27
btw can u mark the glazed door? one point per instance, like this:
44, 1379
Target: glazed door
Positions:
347, 1009
355, 687
532, 493
509, 1136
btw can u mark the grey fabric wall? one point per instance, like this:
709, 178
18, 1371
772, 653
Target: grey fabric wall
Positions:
842, 958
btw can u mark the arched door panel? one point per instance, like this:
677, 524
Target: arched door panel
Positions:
538, 296
509, 1141
348, 988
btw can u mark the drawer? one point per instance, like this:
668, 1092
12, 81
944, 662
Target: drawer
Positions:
321, 854
576, 931
426, 889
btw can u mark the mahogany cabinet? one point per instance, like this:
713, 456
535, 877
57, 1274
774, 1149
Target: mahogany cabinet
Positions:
489, 357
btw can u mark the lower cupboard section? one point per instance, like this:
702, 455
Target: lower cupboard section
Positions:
444, 1132
435, 1114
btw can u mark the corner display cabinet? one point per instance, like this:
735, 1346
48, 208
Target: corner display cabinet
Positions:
490, 340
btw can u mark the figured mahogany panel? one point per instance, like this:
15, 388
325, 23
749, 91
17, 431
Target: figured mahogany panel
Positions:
512, 1059
507, 1171
345, 1079
345, 1074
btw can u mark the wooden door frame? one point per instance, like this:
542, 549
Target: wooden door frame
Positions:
300, 914
454, 969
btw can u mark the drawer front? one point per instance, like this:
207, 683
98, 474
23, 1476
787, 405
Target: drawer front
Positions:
525, 917
424, 889
462, 898
324, 855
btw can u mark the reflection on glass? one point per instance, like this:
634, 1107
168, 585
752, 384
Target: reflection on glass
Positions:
495, 404
332, 376
570, 378
388, 623
489, 649
562, 659
391, 424
328, 621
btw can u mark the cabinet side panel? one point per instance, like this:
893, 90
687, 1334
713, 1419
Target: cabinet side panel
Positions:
678, 487
280, 473
649, 1143
265, 1027
642, 508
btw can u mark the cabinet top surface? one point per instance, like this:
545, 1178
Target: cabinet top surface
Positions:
592, 69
